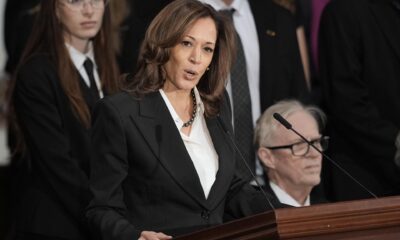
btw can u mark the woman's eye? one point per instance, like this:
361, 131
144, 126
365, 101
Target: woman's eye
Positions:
186, 43
208, 49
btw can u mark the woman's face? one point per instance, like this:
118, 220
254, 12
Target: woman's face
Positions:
81, 19
191, 57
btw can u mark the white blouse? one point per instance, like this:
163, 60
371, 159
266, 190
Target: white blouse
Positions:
198, 144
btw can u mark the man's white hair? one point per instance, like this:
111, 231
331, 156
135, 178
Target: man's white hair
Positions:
266, 124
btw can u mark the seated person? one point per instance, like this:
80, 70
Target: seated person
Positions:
292, 166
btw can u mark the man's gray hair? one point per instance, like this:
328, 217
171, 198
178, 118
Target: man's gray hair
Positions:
266, 124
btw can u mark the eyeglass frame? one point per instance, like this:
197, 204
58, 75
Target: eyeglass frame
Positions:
311, 142
70, 5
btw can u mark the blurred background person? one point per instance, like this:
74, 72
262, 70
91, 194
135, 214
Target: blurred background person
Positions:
162, 161
268, 67
308, 14
292, 166
139, 14
18, 20
19, 16
68, 64
360, 72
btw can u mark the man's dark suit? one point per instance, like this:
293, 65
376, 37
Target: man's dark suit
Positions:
281, 70
360, 69
315, 195
142, 176
58, 149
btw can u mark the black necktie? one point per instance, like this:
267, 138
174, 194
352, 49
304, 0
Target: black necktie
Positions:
242, 115
88, 64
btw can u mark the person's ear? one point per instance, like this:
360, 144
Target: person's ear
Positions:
266, 157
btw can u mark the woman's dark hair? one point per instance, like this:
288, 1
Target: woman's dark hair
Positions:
47, 38
167, 30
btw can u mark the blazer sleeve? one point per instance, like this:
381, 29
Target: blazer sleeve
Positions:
347, 94
109, 168
36, 106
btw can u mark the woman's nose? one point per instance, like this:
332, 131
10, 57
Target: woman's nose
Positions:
195, 57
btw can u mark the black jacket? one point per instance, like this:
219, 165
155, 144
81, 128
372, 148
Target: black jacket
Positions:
360, 72
58, 152
143, 178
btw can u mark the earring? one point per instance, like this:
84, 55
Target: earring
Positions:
208, 68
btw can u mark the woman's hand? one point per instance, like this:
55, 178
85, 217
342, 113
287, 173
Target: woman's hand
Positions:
149, 235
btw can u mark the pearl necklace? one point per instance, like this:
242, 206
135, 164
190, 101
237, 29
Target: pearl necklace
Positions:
190, 122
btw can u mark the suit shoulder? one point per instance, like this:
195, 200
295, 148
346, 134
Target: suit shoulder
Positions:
346, 7
122, 101
280, 10
268, 7
37, 62
350, 14
38, 70
272, 15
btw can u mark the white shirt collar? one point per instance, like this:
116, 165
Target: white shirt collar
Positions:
220, 5
178, 121
285, 198
78, 58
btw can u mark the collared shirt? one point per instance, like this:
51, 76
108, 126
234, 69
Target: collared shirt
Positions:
78, 58
285, 198
198, 144
246, 28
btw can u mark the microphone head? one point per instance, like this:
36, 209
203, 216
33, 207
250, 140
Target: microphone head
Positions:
282, 121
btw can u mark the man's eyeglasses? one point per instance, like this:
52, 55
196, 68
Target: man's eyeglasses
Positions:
302, 148
77, 5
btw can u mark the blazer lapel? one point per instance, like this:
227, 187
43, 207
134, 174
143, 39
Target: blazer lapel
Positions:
388, 20
159, 130
226, 170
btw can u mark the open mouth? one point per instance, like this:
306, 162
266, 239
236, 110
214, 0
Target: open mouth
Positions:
190, 74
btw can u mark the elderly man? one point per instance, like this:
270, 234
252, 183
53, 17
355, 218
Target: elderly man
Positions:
292, 166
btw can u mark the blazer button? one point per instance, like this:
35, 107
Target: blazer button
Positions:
205, 214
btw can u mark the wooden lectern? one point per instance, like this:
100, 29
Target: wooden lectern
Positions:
372, 219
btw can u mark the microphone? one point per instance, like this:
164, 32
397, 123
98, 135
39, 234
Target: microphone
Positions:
226, 130
285, 123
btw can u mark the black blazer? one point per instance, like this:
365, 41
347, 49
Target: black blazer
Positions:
281, 69
57, 147
143, 178
360, 69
